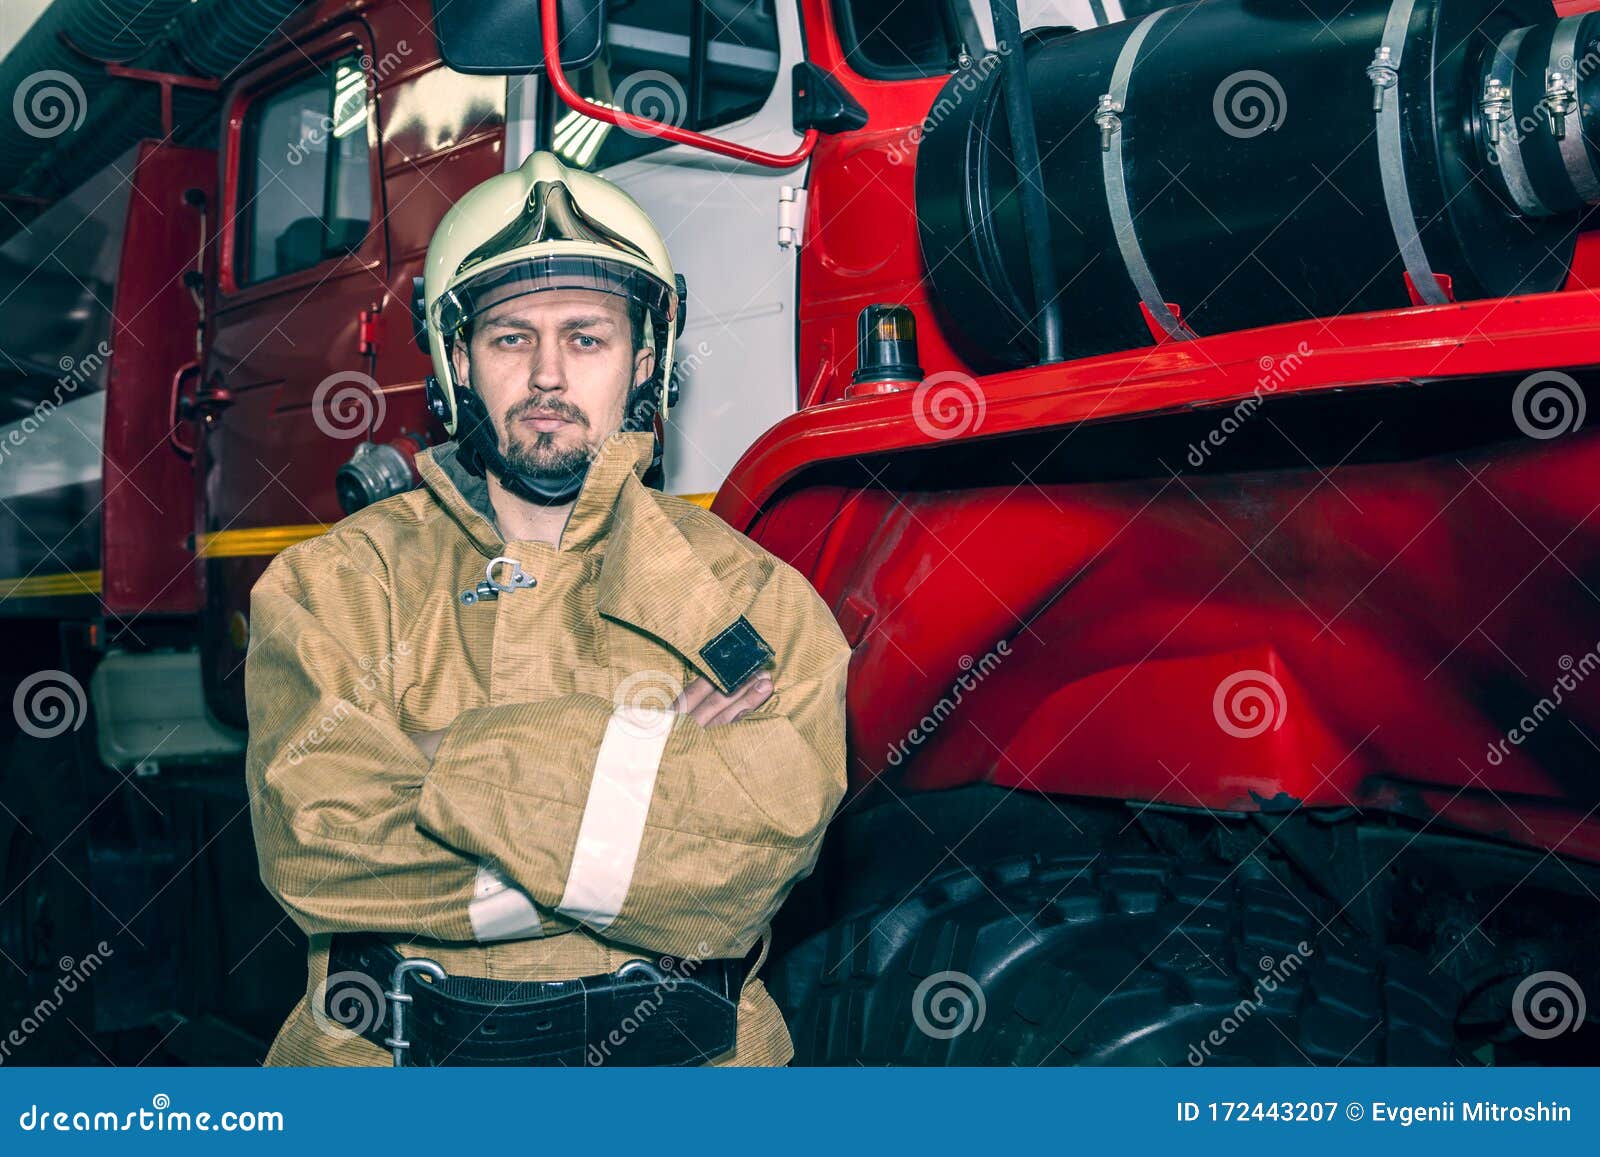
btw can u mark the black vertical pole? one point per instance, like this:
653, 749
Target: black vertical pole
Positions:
1030, 184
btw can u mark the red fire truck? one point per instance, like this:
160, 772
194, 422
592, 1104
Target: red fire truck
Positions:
1181, 407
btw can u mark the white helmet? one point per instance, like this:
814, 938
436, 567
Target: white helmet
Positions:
545, 226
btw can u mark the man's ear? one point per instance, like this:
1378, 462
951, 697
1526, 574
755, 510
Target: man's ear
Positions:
644, 364
459, 359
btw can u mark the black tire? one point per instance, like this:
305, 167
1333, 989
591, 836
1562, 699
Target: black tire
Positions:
1123, 959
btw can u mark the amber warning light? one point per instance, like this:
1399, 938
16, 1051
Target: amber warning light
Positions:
886, 355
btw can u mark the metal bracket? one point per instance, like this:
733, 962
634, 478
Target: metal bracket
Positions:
493, 588
398, 998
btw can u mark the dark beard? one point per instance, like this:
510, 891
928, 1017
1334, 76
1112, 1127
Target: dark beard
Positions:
541, 460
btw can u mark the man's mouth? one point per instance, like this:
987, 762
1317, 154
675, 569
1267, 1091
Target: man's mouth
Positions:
545, 421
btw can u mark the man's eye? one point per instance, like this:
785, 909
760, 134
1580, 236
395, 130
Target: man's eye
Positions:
510, 337
585, 341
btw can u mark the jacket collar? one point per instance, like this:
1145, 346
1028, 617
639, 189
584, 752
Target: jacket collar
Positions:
651, 578
465, 496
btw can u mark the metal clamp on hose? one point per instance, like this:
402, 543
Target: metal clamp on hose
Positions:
1384, 72
1108, 115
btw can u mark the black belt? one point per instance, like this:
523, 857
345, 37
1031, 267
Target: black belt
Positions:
672, 1011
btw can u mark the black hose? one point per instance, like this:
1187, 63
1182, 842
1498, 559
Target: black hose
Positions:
1030, 185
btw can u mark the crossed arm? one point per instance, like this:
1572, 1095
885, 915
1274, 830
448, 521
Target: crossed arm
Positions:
700, 700
682, 832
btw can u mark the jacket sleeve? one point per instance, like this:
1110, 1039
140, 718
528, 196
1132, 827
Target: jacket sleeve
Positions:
333, 779
638, 822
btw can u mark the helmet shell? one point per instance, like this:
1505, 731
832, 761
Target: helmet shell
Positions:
495, 204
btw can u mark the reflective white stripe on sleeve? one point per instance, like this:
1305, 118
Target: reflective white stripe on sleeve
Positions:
500, 910
612, 827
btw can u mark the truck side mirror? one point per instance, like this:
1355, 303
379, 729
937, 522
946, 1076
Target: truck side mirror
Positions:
820, 102
505, 37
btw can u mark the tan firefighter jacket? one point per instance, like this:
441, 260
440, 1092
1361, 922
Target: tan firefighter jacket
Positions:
567, 822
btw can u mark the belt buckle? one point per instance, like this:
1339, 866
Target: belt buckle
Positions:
398, 998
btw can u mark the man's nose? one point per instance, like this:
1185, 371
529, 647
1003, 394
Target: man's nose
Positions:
546, 373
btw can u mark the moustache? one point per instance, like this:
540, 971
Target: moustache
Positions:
563, 410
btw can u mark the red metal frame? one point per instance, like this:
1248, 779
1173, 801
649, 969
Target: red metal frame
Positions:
550, 32
167, 81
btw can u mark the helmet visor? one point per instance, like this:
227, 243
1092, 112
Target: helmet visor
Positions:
647, 300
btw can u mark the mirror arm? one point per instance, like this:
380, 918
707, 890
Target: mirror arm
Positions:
551, 36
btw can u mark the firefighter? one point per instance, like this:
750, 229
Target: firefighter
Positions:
537, 751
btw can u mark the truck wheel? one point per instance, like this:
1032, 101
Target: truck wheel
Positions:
1094, 959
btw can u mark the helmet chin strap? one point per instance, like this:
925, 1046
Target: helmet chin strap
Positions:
480, 447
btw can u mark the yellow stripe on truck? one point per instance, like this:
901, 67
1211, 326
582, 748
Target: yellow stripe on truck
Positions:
77, 582
255, 540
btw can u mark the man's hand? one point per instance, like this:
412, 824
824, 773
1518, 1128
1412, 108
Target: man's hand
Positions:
708, 707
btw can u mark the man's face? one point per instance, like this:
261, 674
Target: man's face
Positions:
554, 369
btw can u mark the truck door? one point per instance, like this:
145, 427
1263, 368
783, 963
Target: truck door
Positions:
288, 388
718, 65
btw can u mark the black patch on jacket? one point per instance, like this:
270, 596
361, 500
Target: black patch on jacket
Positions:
734, 653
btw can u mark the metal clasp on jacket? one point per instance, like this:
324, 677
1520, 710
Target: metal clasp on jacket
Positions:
398, 998
492, 587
